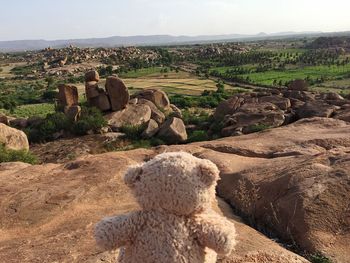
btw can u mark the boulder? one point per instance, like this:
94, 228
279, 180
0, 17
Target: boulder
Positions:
280, 102
331, 96
252, 117
12, 138
157, 115
101, 102
72, 112
92, 75
91, 90
228, 107
158, 97
173, 131
117, 92
315, 109
152, 128
67, 95
300, 95
133, 115
299, 85
343, 115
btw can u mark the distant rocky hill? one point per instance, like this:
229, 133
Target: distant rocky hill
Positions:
114, 41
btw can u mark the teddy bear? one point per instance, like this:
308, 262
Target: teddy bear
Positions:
176, 223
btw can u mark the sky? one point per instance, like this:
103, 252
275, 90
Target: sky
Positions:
67, 19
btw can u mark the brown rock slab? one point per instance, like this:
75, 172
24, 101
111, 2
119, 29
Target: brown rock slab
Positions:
12, 138
133, 115
92, 75
117, 92
70, 198
152, 128
316, 109
67, 95
91, 90
158, 97
280, 102
228, 107
173, 131
101, 102
157, 115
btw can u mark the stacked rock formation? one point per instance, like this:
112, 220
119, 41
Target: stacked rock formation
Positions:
68, 100
144, 108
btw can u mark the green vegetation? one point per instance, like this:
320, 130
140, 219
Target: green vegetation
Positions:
30, 110
137, 73
319, 258
133, 132
259, 127
198, 136
55, 124
91, 119
7, 155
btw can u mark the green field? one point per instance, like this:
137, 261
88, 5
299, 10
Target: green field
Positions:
30, 110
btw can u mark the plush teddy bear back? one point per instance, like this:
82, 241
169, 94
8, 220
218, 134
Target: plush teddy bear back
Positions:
175, 191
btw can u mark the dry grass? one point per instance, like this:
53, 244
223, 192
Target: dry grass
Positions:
175, 83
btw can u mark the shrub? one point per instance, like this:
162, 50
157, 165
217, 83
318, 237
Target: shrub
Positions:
319, 258
7, 155
133, 132
259, 127
45, 129
198, 136
49, 95
195, 118
91, 119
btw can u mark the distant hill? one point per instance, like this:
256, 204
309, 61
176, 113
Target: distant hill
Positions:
331, 42
115, 41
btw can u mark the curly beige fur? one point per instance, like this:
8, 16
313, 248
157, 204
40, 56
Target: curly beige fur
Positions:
176, 224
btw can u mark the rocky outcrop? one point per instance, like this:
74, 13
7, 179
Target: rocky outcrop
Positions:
67, 95
49, 211
173, 131
158, 97
315, 109
12, 138
133, 115
250, 112
92, 75
292, 181
117, 92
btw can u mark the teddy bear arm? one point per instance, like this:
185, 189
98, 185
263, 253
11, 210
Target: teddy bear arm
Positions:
117, 231
220, 236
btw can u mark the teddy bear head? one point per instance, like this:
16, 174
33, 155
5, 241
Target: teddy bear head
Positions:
177, 183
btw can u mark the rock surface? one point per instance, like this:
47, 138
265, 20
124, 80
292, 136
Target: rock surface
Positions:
133, 115
92, 75
67, 95
50, 211
12, 138
158, 97
292, 181
117, 92
173, 131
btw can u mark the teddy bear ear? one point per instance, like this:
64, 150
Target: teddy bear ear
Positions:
208, 172
132, 175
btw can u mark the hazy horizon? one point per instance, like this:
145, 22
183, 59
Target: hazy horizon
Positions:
66, 19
